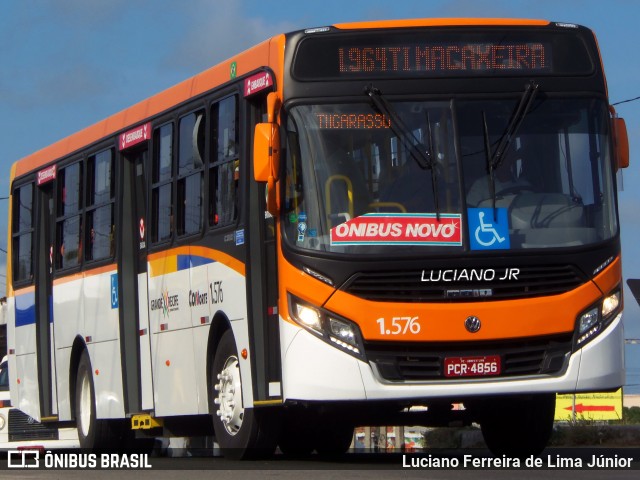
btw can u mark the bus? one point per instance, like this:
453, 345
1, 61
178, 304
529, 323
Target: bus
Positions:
357, 224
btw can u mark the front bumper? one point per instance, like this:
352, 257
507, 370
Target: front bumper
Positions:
313, 370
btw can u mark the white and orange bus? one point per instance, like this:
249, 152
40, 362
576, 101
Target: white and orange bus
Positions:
324, 231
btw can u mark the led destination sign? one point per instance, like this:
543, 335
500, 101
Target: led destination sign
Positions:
352, 121
443, 53
470, 57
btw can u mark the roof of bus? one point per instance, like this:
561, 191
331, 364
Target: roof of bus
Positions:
217, 75
443, 22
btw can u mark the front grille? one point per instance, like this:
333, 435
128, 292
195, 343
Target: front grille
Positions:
425, 361
22, 427
455, 285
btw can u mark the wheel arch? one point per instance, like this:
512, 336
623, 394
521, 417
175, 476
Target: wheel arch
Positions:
219, 325
79, 346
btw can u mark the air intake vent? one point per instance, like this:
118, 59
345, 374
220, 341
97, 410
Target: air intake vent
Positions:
22, 427
424, 361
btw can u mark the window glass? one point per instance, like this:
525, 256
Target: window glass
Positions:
70, 189
100, 233
190, 160
224, 174
100, 178
69, 223
163, 216
161, 190
23, 213
23, 233
190, 204
23, 255
224, 183
68, 241
164, 154
191, 153
227, 120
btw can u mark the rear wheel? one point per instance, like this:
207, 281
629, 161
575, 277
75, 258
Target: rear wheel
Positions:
519, 426
241, 432
93, 433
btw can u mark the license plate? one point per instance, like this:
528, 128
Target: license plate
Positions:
472, 366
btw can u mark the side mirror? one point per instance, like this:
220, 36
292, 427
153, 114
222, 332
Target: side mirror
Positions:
621, 143
266, 151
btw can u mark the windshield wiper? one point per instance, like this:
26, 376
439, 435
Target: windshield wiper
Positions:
494, 160
422, 154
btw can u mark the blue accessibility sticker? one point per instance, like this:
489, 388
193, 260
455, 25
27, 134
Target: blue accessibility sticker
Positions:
489, 228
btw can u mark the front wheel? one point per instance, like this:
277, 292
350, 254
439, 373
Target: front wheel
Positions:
519, 426
241, 432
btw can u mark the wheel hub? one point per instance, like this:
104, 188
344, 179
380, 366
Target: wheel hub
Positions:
229, 396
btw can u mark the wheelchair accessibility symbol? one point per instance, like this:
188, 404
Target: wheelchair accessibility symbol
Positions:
488, 232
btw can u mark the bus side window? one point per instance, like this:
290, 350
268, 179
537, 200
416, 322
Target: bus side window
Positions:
69, 218
23, 233
100, 206
190, 173
161, 187
224, 171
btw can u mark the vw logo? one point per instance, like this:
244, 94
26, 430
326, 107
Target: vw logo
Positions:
31, 420
472, 324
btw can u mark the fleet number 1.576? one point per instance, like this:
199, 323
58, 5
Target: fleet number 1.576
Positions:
399, 326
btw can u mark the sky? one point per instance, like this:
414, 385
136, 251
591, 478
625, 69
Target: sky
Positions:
66, 64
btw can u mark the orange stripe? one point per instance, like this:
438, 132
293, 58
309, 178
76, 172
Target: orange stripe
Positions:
205, 252
441, 22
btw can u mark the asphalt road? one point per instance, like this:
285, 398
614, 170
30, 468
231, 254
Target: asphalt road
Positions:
562, 463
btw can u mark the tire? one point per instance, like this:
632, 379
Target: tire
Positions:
297, 437
519, 427
93, 434
241, 433
333, 439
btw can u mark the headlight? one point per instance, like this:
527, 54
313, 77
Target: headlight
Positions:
338, 332
610, 304
308, 317
2, 421
596, 318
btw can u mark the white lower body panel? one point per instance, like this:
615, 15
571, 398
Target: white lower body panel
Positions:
314, 370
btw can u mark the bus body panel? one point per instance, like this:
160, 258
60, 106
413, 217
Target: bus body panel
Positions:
66, 399
313, 369
146, 377
196, 286
106, 368
593, 368
25, 385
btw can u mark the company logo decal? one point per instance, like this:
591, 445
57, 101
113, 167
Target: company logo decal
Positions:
399, 229
472, 324
167, 303
470, 275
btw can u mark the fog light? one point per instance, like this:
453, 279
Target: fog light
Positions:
588, 320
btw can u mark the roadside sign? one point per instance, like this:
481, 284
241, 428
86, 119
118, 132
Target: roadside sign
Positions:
589, 406
634, 286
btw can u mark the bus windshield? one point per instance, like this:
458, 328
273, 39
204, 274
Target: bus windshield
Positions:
354, 183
